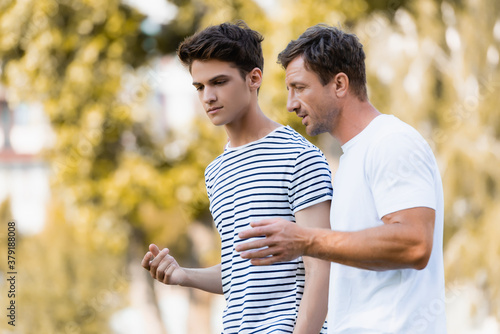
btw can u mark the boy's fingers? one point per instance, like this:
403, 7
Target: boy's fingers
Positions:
154, 249
146, 261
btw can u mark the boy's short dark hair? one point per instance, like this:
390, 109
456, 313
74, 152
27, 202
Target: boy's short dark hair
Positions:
234, 43
328, 51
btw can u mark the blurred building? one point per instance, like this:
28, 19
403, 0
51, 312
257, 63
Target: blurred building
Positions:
24, 133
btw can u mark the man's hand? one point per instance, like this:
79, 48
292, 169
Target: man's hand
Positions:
284, 241
163, 267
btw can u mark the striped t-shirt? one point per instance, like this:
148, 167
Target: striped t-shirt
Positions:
274, 176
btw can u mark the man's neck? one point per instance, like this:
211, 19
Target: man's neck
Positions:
252, 126
355, 117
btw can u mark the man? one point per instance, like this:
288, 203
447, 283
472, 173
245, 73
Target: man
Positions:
387, 212
266, 170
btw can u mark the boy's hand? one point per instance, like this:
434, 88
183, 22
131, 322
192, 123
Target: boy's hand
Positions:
162, 266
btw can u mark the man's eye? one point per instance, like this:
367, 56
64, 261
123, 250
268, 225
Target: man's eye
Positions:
199, 88
219, 82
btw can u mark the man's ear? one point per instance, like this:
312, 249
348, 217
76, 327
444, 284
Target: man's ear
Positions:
254, 78
340, 84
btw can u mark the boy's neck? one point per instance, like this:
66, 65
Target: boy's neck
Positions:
252, 126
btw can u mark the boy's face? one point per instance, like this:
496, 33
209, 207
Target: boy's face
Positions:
224, 94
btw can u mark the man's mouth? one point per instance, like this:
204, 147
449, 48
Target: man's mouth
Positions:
304, 117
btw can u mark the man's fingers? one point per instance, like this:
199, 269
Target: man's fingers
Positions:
257, 231
262, 222
265, 261
255, 244
258, 254
260, 228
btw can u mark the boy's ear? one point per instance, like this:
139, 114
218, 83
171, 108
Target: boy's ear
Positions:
254, 78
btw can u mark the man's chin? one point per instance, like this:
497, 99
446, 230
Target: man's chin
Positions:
311, 131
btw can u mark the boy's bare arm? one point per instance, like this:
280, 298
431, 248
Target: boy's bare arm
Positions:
314, 305
164, 268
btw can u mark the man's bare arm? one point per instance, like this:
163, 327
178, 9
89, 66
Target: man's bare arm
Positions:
404, 241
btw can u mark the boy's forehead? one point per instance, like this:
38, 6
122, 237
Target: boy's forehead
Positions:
206, 69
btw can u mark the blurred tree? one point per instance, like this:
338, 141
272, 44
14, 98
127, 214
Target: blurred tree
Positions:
115, 189
469, 140
5, 218
434, 72
427, 66
71, 276
289, 21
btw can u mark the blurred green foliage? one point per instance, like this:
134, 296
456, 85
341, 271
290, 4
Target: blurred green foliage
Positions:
114, 190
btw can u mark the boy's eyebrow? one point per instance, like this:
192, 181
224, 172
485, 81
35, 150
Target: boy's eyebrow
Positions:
217, 77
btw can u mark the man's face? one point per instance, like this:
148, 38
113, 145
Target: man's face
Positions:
316, 104
224, 94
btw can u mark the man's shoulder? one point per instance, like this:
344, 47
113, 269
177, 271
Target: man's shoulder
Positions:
393, 131
399, 145
393, 124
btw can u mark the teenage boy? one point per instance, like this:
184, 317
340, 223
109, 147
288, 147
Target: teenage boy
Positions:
266, 170
386, 246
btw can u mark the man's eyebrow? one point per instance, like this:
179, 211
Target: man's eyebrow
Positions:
294, 84
217, 77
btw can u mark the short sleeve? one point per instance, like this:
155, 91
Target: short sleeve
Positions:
401, 172
311, 181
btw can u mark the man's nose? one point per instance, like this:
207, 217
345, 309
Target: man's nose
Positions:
292, 104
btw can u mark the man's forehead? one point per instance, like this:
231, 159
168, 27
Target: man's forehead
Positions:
296, 63
295, 68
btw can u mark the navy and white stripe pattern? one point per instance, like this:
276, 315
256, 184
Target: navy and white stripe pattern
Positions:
275, 176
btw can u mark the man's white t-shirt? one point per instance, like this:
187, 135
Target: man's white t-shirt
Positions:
386, 168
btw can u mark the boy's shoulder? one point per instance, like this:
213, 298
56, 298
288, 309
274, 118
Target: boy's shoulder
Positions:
281, 139
287, 135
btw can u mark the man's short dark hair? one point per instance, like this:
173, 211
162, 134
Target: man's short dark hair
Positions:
327, 51
234, 43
